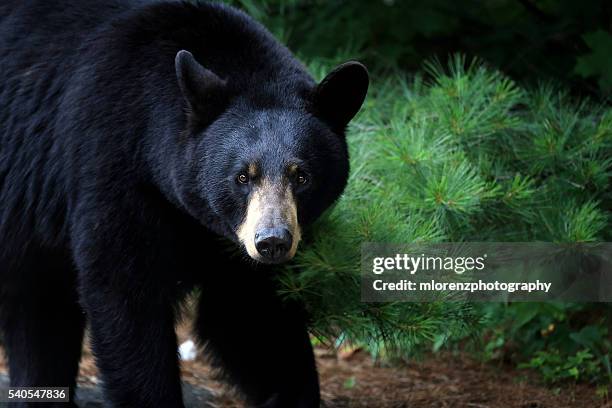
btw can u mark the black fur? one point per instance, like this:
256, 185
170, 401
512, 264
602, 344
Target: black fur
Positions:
116, 178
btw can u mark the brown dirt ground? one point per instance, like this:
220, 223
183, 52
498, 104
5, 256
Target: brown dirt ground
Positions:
350, 379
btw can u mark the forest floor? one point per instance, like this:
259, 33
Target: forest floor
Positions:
355, 381
350, 379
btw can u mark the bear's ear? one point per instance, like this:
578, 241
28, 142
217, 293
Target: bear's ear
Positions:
203, 90
340, 95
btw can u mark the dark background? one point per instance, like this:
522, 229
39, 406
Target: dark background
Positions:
530, 40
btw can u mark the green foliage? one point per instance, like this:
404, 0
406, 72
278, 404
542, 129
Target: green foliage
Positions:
461, 153
555, 367
597, 62
561, 341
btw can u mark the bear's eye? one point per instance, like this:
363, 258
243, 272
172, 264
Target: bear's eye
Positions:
242, 178
301, 179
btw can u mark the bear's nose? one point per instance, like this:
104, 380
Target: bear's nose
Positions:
273, 243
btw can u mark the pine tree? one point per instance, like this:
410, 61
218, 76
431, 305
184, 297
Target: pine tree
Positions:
457, 153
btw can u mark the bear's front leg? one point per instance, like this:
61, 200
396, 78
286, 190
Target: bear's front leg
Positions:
259, 342
128, 294
134, 344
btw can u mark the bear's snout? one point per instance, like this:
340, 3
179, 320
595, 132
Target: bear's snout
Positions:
273, 243
270, 231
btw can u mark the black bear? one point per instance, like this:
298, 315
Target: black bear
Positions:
133, 135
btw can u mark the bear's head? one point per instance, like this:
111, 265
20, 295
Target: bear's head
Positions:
263, 165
